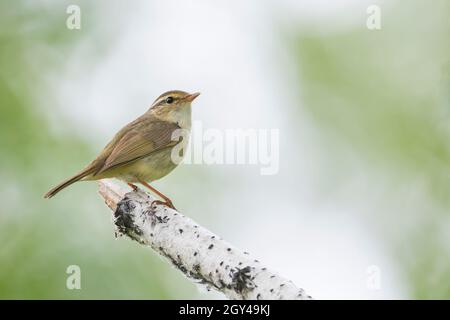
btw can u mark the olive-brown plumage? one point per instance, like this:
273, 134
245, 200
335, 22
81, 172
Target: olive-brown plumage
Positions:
141, 151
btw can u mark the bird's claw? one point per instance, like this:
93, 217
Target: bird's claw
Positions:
132, 186
166, 203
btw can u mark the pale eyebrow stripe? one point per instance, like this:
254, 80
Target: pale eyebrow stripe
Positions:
164, 98
159, 100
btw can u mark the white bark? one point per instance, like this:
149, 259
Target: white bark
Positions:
202, 256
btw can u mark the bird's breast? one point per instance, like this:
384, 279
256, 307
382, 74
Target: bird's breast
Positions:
151, 168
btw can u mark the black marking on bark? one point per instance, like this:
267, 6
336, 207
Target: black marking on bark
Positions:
124, 218
176, 262
197, 274
210, 246
241, 280
195, 253
180, 230
157, 219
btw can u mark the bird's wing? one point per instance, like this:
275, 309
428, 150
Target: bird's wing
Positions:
140, 142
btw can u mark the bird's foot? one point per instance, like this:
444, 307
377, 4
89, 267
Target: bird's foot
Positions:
134, 187
167, 203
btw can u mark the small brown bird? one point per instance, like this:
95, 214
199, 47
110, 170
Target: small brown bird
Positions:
141, 152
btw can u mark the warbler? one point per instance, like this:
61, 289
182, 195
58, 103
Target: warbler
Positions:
141, 152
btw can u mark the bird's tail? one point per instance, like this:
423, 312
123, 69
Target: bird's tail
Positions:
68, 182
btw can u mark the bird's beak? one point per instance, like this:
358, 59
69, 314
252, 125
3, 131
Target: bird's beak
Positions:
192, 96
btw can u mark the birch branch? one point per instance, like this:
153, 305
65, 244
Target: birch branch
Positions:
200, 255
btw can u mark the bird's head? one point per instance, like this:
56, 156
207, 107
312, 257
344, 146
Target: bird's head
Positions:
174, 99
174, 106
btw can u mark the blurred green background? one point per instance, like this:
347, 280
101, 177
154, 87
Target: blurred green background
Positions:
382, 98
377, 108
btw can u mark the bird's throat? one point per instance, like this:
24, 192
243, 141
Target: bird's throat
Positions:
179, 115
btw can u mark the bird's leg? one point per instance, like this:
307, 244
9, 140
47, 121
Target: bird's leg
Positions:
166, 201
132, 186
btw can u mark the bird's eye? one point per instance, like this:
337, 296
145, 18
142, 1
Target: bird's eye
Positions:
169, 100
